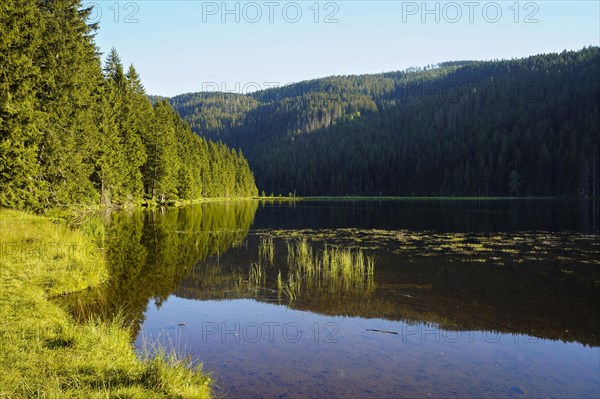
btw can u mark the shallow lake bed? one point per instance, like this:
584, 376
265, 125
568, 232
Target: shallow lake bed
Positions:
464, 298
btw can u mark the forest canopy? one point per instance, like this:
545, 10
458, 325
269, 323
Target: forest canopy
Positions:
74, 131
77, 127
521, 127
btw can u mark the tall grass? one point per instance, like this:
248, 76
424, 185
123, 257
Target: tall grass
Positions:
266, 251
310, 270
333, 268
256, 276
45, 353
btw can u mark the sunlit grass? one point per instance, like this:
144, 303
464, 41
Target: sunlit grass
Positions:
292, 288
256, 276
334, 269
45, 353
266, 250
279, 285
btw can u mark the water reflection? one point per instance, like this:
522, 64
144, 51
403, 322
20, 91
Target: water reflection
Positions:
150, 252
303, 354
545, 284
451, 215
384, 273
481, 285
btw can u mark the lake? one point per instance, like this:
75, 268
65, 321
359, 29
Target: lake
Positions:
395, 298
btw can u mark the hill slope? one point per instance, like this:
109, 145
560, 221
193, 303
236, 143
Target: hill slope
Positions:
516, 127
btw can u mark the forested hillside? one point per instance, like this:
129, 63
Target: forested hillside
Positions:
516, 127
74, 132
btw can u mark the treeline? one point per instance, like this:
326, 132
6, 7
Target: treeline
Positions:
215, 113
149, 253
248, 121
525, 127
74, 132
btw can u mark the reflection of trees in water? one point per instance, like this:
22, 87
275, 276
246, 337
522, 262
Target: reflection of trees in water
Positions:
149, 252
297, 270
540, 284
536, 283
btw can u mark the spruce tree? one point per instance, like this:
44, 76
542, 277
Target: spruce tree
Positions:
20, 131
69, 100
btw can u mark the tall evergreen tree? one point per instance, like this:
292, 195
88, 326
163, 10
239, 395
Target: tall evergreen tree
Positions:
122, 153
163, 154
68, 94
20, 131
72, 132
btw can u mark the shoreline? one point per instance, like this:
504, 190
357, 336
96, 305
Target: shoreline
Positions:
45, 352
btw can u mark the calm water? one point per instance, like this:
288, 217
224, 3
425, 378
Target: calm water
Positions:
467, 298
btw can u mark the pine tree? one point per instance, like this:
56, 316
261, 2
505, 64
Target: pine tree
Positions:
112, 164
69, 97
514, 183
163, 157
20, 130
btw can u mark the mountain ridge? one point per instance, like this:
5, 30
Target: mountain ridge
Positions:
281, 130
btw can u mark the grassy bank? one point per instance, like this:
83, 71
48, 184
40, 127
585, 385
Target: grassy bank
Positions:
44, 353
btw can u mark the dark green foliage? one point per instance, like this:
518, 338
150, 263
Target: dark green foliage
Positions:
20, 133
212, 113
520, 127
72, 132
68, 100
182, 165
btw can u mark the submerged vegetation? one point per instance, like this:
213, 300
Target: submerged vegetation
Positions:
332, 269
493, 249
266, 250
45, 353
256, 276
299, 270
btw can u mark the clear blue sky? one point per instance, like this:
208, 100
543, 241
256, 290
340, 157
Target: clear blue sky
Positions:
187, 46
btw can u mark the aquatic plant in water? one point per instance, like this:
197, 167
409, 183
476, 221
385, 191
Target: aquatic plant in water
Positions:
334, 269
266, 250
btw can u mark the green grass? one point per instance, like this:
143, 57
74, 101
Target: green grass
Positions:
266, 251
44, 353
335, 269
256, 276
